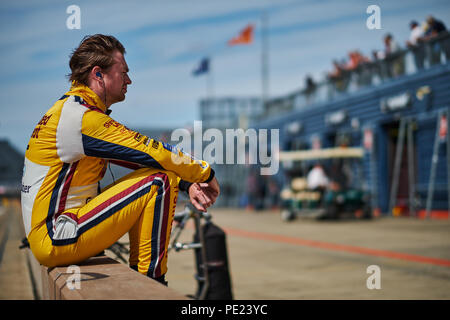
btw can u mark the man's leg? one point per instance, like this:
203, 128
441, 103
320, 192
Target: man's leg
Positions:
150, 235
143, 196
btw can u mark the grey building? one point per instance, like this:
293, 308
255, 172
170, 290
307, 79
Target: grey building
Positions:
231, 113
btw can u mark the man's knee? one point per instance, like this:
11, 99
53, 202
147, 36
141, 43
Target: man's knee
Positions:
169, 180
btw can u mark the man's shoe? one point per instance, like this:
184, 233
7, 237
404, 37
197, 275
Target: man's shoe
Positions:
161, 279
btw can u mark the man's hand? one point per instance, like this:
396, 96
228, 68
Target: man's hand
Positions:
204, 195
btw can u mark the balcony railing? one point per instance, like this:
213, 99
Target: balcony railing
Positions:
413, 59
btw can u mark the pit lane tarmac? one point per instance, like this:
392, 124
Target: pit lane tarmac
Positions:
310, 259
302, 259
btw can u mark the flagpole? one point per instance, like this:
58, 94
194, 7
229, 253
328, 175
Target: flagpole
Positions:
209, 83
264, 58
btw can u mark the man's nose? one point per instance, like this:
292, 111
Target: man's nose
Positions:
128, 80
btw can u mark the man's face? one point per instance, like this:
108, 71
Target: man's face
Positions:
116, 79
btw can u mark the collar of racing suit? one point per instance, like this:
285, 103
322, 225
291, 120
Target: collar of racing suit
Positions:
86, 93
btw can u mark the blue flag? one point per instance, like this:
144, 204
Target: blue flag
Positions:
203, 67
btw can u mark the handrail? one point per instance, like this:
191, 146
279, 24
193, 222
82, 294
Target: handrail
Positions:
366, 74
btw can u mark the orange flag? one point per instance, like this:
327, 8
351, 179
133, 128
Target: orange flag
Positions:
245, 37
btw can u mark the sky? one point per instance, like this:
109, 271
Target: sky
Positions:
165, 41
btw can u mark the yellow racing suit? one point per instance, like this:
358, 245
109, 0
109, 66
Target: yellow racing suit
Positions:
67, 219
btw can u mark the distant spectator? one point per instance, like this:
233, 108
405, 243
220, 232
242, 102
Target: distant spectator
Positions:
357, 63
310, 85
317, 179
436, 28
355, 60
340, 176
378, 68
339, 76
414, 42
378, 55
310, 88
256, 189
416, 35
383, 68
261, 191
274, 193
252, 189
394, 58
337, 71
390, 45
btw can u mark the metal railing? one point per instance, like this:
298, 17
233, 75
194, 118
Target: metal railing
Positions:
413, 59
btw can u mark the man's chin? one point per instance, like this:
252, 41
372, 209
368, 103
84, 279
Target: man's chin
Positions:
120, 98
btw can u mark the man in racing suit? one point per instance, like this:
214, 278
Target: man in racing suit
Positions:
66, 218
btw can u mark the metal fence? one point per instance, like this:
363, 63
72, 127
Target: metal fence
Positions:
377, 71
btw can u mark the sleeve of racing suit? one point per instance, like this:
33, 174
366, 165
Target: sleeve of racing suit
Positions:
105, 138
184, 185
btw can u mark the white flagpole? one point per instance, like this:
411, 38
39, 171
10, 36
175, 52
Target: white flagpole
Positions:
210, 82
264, 58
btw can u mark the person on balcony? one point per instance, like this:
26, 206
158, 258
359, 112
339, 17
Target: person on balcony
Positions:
415, 43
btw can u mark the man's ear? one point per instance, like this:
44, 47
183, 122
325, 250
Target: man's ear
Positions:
96, 73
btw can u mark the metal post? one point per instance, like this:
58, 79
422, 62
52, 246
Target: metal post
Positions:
264, 58
397, 165
434, 161
210, 82
411, 178
373, 173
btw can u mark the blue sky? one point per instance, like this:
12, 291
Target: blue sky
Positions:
165, 40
